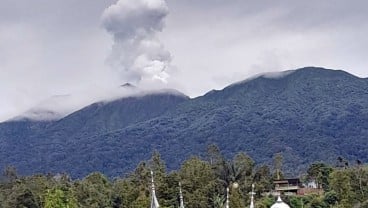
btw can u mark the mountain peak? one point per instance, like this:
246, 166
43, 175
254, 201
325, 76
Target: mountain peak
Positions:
320, 71
309, 114
305, 72
128, 85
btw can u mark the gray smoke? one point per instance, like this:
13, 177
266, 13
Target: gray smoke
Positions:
137, 53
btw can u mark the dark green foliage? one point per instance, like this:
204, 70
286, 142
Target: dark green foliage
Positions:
319, 172
340, 182
94, 191
25, 199
364, 204
263, 180
312, 114
201, 183
317, 202
19, 197
198, 182
218, 201
296, 202
265, 202
80, 138
278, 162
331, 198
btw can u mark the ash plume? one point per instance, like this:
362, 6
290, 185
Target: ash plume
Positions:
137, 53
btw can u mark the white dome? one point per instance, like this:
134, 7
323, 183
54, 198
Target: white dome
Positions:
280, 204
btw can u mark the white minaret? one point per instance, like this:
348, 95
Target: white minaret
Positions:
181, 197
154, 202
252, 197
227, 199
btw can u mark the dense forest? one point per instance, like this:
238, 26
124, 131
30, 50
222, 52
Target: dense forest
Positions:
204, 181
310, 114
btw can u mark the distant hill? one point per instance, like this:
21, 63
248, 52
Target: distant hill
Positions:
41, 146
310, 114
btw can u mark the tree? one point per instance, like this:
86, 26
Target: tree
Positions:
230, 173
125, 192
245, 165
296, 202
263, 180
364, 204
198, 182
239, 170
141, 201
265, 202
94, 191
236, 199
38, 184
214, 155
218, 201
319, 172
317, 202
21, 197
138, 186
58, 198
330, 198
341, 185
10, 173
156, 164
169, 193
278, 161
359, 181
342, 163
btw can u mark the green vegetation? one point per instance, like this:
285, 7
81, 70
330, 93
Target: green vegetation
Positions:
312, 114
204, 183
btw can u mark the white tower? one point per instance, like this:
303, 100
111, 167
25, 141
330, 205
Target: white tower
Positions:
181, 197
227, 199
154, 202
252, 197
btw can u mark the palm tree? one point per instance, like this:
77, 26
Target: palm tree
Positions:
218, 201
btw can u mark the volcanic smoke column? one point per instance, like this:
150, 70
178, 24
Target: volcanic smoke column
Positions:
137, 53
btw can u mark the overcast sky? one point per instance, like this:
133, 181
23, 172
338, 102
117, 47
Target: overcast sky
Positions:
63, 47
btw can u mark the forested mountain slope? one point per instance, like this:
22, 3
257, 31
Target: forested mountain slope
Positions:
37, 146
308, 114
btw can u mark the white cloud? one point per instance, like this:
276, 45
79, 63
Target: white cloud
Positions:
137, 54
235, 40
59, 47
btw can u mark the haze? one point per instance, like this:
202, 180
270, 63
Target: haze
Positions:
88, 49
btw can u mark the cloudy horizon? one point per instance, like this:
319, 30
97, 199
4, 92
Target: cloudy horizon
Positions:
50, 48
